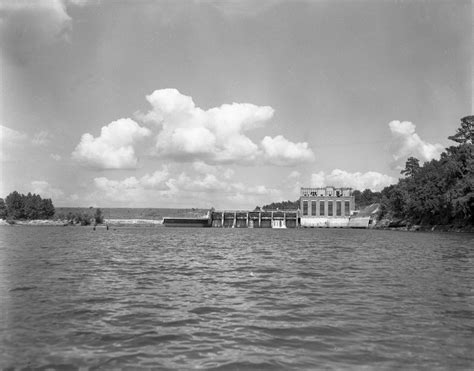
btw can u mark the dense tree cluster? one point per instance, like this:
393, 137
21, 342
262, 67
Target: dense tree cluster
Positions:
361, 198
283, 205
437, 192
31, 206
440, 191
82, 217
365, 198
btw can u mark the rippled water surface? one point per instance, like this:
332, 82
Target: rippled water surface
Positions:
235, 299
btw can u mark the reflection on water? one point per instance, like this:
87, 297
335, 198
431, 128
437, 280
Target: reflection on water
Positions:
235, 299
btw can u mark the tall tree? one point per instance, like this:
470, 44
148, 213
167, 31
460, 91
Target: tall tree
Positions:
412, 166
31, 209
441, 191
3, 209
465, 134
47, 210
98, 217
31, 206
365, 198
15, 205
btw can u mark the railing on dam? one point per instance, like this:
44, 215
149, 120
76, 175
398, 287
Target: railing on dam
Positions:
255, 219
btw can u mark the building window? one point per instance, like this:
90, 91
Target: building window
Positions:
305, 207
330, 211
347, 207
321, 208
313, 208
338, 208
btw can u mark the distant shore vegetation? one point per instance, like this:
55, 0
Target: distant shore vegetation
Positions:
362, 199
90, 216
17, 206
439, 192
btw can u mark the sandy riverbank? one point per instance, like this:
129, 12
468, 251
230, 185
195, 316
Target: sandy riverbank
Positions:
34, 222
110, 222
133, 221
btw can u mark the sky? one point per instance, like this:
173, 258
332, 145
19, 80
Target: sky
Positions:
225, 104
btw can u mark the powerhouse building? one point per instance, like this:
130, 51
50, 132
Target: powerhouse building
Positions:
326, 206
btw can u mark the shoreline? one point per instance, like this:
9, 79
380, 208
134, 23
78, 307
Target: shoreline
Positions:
432, 228
132, 222
65, 223
159, 223
405, 226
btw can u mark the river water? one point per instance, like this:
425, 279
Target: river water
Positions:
228, 299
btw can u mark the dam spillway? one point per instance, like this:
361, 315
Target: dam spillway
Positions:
267, 219
324, 207
255, 219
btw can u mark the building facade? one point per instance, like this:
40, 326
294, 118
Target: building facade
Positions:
326, 206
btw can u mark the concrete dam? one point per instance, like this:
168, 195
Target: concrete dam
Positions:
254, 219
325, 207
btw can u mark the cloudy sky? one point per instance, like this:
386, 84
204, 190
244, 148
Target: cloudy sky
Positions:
226, 104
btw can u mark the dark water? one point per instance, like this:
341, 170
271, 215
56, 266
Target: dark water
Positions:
235, 299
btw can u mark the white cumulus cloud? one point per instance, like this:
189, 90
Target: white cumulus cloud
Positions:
408, 143
206, 183
132, 188
157, 180
114, 148
184, 132
190, 133
202, 188
340, 178
203, 168
216, 135
219, 188
8, 135
11, 141
280, 151
46, 190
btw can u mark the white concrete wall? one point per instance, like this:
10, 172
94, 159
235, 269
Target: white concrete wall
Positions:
325, 222
362, 222
338, 222
343, 222
314, 222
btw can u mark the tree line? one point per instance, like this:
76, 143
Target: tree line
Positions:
439, 191
283, 205
18, 206
88, 217
361, 199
